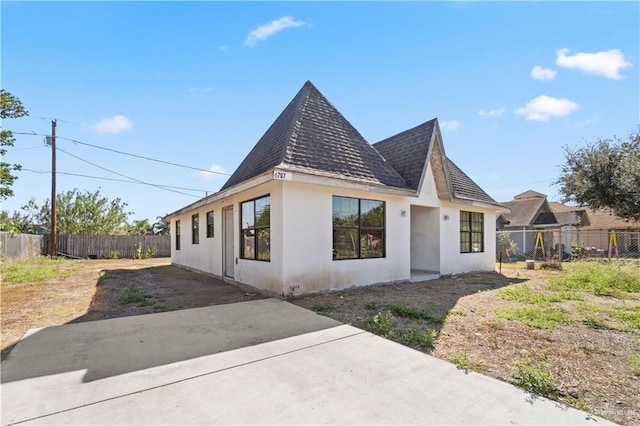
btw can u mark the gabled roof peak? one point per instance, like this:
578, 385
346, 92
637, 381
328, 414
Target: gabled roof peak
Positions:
311, 135
529, 194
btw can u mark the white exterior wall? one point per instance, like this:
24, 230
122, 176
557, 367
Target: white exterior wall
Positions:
202, 256
425, 237
208, 256
451, 260
308, 241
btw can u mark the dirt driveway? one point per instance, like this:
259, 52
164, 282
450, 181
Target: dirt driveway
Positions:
90, 290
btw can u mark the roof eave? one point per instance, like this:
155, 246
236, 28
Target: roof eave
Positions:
319, 177
483, 204
301, 176
232, 190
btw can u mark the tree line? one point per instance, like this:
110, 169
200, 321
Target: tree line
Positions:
78, 212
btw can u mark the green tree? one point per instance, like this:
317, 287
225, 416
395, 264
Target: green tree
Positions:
140, 227
506, 245
87, 213
10, 107
25, 222
604, 174
160, 227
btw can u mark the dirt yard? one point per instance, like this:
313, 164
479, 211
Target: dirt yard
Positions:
591, 361
100, 289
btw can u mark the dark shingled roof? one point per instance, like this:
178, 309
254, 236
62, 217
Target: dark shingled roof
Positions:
600, 219
311, 135
465, 188
574, 218
407, 152
523, 211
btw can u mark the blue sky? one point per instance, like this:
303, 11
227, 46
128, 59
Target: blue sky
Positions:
199, 83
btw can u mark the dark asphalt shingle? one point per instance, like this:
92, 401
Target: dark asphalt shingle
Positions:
523, 212
407, 151
464, 187
311, 135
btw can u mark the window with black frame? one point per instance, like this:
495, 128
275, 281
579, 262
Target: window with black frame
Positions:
195, 229
256, 229
358, 228
210, 224
471, 232
177, 235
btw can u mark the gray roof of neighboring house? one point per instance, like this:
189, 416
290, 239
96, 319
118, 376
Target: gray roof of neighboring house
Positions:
311, 135
562, 218
600, 219
523, 211
529, 194
532, 209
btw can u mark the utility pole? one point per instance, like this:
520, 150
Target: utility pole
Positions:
54, 219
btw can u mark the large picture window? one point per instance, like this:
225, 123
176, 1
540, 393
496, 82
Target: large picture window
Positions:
358, 228
256, 229
177, 235
195, 229
471, 232
210, 224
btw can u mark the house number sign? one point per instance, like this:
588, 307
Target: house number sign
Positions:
280, 175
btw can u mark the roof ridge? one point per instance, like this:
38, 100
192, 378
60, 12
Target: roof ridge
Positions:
312, 134
288, 148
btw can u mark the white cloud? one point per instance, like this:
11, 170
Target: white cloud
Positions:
223, 47
540, 73
607, 63
113, 125
200, 89
265, 31
450, 126
217, 171
492, 112
545, 107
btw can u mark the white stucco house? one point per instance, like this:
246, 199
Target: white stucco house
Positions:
315, 207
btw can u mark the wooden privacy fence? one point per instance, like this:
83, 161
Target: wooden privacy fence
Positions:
16, 246
111, 246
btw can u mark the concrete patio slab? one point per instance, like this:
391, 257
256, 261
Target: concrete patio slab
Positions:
275, 364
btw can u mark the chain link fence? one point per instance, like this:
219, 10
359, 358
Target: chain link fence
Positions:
566, 244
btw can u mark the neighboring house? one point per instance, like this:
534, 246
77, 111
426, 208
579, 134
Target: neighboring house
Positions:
598, 233
315, 207
531, 213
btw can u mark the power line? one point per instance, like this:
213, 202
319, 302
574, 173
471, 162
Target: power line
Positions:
26, 148
114, 180
125, 176
126, 153
144, 158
